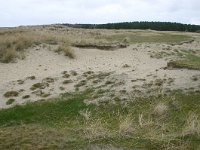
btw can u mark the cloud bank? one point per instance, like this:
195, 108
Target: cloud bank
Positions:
34, 12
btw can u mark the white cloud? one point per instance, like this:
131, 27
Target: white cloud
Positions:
28, 12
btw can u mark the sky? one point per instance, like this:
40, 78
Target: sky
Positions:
38, 12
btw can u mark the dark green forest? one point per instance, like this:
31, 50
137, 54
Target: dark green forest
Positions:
160, 26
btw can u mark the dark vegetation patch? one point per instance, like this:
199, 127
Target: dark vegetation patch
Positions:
42, 85
184, 42
49, 80
81, 83
26, 97
67, 81
11, 94
10, 101
20, 82
100, 46
31, 78
66, 76
73, 73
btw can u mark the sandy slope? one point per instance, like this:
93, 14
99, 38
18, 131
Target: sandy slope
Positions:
132, 67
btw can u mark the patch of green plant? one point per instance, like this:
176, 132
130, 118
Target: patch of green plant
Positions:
189, 62
45, 112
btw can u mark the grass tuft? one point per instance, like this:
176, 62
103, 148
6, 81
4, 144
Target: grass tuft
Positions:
42, 85
160, 109
9, 55
11, 94
192, 126
67, 50
10, 101
67, 81
126, 127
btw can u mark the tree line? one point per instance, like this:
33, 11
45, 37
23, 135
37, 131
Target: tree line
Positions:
160, 26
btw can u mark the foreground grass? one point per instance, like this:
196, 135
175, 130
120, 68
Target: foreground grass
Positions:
67, 122
191, 61
47, 113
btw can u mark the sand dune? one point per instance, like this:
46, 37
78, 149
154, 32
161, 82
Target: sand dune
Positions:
132, 66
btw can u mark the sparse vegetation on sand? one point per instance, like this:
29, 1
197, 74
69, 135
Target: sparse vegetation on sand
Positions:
159, 122
14, 42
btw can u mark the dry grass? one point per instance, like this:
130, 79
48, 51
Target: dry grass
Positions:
86, 114
143, 122
160, 109
95, 130
9, 55
14, 42
11, 45
192, 126
67, 50
126, 127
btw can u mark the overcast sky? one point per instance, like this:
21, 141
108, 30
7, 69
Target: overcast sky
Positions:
33, 12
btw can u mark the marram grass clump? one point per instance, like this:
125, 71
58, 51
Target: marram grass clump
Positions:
67, 50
